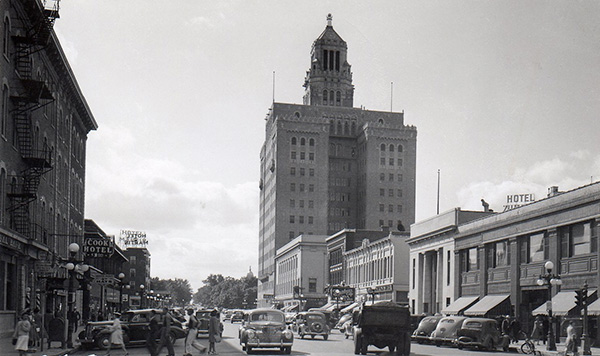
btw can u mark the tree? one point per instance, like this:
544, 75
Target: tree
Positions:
179, 289
227, 292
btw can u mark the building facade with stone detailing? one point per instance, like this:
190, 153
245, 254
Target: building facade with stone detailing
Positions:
326, 166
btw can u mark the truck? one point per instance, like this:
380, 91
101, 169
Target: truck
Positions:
383, 324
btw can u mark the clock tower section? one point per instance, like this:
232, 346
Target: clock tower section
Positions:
328, 82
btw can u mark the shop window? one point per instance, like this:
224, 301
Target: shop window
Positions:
312, 285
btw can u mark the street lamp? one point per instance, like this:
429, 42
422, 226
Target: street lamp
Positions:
142, 296
73, 266
121, 277
550, 279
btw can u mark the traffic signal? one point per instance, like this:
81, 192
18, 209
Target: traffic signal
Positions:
579, 298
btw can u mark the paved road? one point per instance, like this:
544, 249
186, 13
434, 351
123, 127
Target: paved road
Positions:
335, 345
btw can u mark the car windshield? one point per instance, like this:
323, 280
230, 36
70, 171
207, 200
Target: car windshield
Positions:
314, 317
267, 316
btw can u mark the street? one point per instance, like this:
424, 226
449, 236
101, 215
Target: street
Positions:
335, 345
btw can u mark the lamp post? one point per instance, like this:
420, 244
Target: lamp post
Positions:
550, 279
142, 296
121, 277
584, 336
73, 266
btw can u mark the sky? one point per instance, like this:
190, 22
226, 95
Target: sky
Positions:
505, 96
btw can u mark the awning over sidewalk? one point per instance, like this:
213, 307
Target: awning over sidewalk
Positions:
486, 304
562, 303
594, 308
459, 305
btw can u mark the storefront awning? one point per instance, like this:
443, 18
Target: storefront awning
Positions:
594, 308
562, 303
459, 305
349, 308
486, 304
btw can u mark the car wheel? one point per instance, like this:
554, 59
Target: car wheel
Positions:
103, 341
357, 344
248, 349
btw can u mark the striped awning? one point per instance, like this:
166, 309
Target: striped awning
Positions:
459, 305
562, 303
486, 304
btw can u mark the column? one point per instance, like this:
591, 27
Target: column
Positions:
440, 280
483, 264
515, 275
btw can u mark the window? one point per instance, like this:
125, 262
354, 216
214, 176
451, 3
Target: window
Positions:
312, 285
311, 156
293, 155
501, 254
301, 172
469, 261
578, 239
311, 142
292, 187
414, 272
382, 147
132, 260
381, 177
292, 203
536, 248
391, 209
301, 187
302, 155
391, 177
292, 219
391, 148
311, 188
399, 177
4, 110
291, 235
382, 161
381, 192
311, 172
5, 42
391, 161
400, 148
381, 208
132, 273
301, 203
301, 219
302, 141
448, 265
310, 219
292, 171
293, 141
325, 92
399, 193
311, 204
391, 193
399, 162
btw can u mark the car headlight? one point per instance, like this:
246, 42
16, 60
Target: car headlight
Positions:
288, 334
251, 334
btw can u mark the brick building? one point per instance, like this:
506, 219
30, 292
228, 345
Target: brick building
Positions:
44, 123
327, 166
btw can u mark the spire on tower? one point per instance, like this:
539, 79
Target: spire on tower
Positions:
329, 19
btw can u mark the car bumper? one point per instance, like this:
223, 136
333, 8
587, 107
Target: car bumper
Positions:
468, 342
259, 344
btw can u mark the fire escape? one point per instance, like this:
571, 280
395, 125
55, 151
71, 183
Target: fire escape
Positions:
30, 95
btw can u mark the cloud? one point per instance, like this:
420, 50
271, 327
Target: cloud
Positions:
535, 179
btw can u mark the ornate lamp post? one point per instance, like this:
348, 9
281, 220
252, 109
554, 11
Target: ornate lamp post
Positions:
142, 296
121, 277
74, 266
550, 279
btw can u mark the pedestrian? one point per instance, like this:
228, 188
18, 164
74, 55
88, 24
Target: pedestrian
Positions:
515, 327
571, 342
21, 335
153, 332
116, 335
165, 330
538, 329
214, 329
190, 339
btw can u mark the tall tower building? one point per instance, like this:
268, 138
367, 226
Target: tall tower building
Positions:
326, 165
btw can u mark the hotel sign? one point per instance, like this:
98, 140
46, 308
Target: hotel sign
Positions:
98, 247
514, 201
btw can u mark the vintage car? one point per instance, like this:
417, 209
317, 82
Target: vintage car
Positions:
311, 323
343, 319
481, 333
265, 328
203, 316
383, 324
135, 324
425, 328
446, 330
290, 317
331, 319
227, 314
237, 315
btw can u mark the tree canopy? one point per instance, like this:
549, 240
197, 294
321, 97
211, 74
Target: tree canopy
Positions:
227, 292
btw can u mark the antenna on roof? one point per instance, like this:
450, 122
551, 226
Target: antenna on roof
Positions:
392, 97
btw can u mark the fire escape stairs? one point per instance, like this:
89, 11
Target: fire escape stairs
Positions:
31, 95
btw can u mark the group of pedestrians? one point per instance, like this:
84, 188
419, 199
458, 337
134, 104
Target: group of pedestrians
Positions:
28, 332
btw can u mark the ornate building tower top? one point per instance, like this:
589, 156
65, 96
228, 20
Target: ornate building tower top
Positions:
329, 80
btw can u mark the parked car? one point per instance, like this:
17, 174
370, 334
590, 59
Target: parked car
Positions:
481, 333
290, 317
238, 315
203, 316
266, 328
343, 319
425, 328
331, 319
446, 330
311, 323
135, 324
227, 314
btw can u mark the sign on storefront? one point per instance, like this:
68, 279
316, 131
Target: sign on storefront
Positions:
98, 247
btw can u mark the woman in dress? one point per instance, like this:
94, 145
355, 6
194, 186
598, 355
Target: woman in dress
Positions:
213, 332
116, 335
21, 334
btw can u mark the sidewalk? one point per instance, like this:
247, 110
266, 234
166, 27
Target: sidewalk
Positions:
560, 350
7, 348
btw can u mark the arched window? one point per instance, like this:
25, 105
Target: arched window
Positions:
332, 126
382, 147
339, 128
325, 92
302, 141
380, 121
346, 128
293, 140
6, 39
391, 148
311, 142
331, 98
400, 148
338, 98
4, 110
